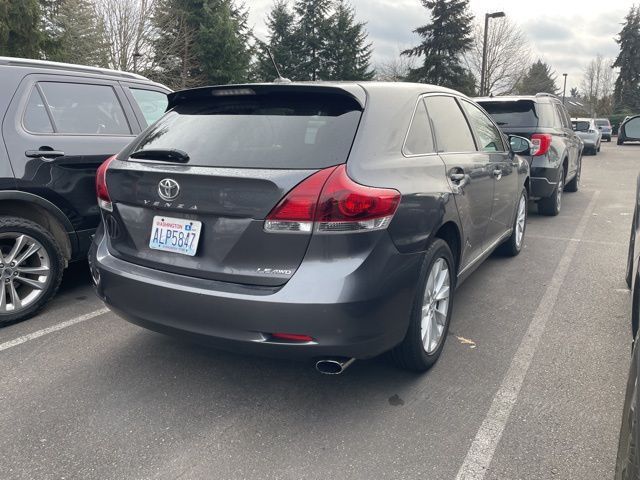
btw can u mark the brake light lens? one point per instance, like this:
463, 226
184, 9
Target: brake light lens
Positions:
541, 143
104, 200
332, 202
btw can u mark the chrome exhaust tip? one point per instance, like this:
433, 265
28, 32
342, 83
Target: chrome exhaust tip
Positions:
333, 366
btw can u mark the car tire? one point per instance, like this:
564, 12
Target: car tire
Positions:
599, 147
552, 205
620, 142
420, 350
27, 286
512, 246
574, 185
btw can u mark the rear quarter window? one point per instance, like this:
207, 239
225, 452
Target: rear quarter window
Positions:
294, 131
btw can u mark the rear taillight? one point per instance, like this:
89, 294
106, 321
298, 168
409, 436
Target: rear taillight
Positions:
332, 202
104, 200
541, 143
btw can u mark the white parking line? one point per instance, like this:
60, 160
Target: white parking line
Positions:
55, 328
480, 454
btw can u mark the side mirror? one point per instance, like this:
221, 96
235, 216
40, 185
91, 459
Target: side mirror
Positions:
520, 145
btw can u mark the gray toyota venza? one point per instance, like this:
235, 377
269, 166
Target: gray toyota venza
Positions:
329, 221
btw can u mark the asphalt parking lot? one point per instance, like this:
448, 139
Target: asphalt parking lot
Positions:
530, 385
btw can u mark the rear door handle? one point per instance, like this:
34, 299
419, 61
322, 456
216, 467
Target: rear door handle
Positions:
43, 153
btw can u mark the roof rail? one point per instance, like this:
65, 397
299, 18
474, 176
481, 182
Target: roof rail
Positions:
28, 62
544, 94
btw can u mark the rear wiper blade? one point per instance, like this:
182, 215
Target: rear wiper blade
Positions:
501, 123
163, 155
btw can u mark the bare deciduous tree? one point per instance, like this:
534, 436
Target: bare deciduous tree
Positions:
395, 69
597, 85
508, 56
127, 27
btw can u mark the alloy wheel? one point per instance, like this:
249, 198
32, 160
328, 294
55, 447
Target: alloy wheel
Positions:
24, 271
521, 220
435, 305
559, 193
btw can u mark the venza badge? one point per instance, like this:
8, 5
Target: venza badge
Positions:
168, 189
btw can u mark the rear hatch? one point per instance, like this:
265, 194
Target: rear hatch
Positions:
239, 152
522, 117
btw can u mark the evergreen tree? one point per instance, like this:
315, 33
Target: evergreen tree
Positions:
444, 41
538, 79
311, 34
348, 54
222, 43
79, 35
282, 43
627, 87
201, 41
20, 34
574, 92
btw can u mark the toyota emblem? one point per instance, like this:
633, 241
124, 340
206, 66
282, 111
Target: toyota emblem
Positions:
168, 189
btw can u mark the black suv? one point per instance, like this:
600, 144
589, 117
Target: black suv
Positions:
60, 122
557, 157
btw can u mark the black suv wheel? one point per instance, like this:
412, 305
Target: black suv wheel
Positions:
31, 265
552, 205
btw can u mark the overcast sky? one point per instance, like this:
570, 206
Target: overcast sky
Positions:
567, 34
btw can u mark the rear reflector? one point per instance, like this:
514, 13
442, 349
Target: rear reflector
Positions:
104, 200
333, 202
541, 143
292, 337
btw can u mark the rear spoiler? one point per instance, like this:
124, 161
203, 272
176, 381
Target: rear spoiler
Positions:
352, 91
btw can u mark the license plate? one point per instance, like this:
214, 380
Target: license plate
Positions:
175, 235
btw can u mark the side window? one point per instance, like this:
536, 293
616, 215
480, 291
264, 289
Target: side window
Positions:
450, 127
561, 116
35, 117
79, 108
151, 103
419, 140
489, 137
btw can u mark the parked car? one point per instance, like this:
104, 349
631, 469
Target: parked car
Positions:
604, 126
629, 130
556, 160
587, 130
331, 221
628, 458
60, 122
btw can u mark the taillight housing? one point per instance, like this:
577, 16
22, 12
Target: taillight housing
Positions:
329, 201
541, 144
104, 200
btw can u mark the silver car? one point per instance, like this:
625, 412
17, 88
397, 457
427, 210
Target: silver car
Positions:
588, 132
604, 126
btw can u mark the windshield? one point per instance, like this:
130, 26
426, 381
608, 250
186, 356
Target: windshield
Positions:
298, 131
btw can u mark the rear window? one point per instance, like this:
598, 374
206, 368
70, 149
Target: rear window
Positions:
521, 113
580, 126
603, 123
294, 131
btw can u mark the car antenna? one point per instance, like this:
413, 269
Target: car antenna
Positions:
280, 78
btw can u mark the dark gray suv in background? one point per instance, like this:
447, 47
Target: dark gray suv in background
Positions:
59, 123
556, 160
331, 221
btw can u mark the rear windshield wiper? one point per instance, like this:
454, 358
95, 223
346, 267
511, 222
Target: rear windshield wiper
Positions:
163, 155
501, 123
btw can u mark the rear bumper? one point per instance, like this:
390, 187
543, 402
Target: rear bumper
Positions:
359, 315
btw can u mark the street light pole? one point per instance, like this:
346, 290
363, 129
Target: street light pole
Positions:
483, 72
564, 89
